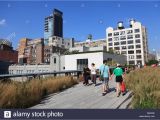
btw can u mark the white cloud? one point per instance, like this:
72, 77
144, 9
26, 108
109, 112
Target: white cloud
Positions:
2, 22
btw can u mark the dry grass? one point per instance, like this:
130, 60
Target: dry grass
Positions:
27, 94
145, 83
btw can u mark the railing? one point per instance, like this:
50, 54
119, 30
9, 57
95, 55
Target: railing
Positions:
34, 75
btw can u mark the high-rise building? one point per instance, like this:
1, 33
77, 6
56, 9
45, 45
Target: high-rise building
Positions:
53, 25
131, 41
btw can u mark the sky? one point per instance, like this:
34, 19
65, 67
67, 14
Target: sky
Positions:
19, 19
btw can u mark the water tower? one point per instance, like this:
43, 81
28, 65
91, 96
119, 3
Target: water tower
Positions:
120, 25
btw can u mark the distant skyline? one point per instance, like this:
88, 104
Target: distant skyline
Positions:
26, 19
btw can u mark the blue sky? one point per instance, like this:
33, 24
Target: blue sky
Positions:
26, 19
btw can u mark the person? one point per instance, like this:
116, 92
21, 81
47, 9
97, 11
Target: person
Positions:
93, 73
105, 73
118, 72
86, 75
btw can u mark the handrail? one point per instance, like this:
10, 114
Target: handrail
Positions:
41, 73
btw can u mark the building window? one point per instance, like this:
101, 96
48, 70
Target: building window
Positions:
116, 43
109, 39
124, 47
131, 52
129, 31
138, 41
110, 44
116, 38
122, 32
81, 63
117, 48
123, 52
131, 62
130, 37
130, 42
109, 34
138, 46
139, 56
54, 60
137, 36
123, 42
130, 47
138, 51
122, 37
131, 57
116, 33
136, 30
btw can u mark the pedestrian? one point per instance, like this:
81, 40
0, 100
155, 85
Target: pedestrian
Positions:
86, 75
105, 74
118, 72
93, 74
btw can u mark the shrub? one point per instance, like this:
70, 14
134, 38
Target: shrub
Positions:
145, 84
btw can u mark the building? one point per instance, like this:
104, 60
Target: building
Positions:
8, 56
31, 51
53, 25
59, 62
91, 43
131, 41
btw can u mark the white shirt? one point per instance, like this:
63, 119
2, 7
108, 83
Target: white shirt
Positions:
93, 70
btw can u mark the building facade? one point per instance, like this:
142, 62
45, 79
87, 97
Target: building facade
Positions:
31, 51
59, 62
131, 42
53, 25
8, 56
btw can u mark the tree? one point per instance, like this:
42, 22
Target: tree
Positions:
151, 62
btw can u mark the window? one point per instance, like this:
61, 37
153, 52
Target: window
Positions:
131, 57
139, 56
131, 52
129, 31
137, 36
130, 42
116, 33
109, 34
138, 51
109, 39
81, 63
138, 46
130, 37
123, 52
110, 44
54, 60
123, 42
131, 47
138, 41
124, 47
116, 43
116, 48
131, 62
122, 37
122, 32
136, 30
116, 39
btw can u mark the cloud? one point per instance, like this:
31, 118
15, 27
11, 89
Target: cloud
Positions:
2, 22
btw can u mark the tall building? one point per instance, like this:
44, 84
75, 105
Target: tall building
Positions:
53, 25
131, 41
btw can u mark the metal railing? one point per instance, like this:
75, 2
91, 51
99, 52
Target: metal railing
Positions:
34, 75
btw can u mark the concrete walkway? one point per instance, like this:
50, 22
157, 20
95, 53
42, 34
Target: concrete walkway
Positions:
80, 96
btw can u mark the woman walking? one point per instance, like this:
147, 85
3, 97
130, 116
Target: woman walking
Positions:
118, 72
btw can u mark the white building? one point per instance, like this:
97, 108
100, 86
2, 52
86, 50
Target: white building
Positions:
131, 42
69, 62
158, 56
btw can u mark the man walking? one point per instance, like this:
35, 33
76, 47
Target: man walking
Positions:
105, 74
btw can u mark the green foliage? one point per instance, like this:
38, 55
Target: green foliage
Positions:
151, 62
